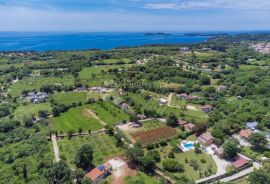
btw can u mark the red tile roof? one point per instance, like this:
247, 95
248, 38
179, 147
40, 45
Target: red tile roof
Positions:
182, 122
240, 162
94, 174
245, 133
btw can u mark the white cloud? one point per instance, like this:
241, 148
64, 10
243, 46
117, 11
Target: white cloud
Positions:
17, 18
208, 4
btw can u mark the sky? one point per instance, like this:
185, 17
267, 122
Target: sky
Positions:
134, 15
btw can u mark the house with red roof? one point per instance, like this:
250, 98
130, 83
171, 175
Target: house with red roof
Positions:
206, 139
189, 127
244, 134
99, 172
239, 162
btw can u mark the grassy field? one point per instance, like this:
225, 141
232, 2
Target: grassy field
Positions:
70, 97
187, 156
141, 178
114, 61
74, 119
31, 109
98, 76
104, 147
165, 110
109, 113
251, 153
34, 83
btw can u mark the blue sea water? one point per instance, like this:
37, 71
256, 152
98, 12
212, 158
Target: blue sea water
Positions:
17, 41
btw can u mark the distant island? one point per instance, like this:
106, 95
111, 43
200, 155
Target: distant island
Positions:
159, 33
206, 34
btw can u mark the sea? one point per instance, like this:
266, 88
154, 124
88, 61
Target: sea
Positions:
40, 41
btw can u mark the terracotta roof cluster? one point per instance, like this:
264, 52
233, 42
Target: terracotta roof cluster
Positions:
245, 133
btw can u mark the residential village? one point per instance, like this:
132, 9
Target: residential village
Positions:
195, 113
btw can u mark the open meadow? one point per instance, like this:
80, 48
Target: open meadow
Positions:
104, 147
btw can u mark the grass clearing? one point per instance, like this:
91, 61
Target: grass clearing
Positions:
74, 119
31, 109
70, 97
141, 178
35, 83
104, 147
109, 113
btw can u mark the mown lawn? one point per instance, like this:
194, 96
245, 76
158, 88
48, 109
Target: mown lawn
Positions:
34, 83
109, 113
31, 109
141, 178
185, 158
104, 147
74, 119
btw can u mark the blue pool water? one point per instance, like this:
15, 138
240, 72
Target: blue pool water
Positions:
188, 145
15, 41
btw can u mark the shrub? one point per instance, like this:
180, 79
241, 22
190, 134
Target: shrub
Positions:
172, 165
163, 143
150, 146
203, 160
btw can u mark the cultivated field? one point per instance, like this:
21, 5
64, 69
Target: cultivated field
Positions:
154, 135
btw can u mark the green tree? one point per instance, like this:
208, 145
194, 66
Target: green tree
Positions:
84, 156
172, 120
260, 176
257, 140
155, 154
59, 173
147, 162
133, 154
78, 174
86, 181
172, 165
230, 149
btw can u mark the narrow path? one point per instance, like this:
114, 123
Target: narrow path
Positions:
55, 148
90, 112
170, 99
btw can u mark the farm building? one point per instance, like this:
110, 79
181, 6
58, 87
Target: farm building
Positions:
37, 97
251, 125
183, 96
162, 101
207, 108
206, 139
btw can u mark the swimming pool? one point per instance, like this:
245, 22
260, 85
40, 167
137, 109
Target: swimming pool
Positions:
188, 145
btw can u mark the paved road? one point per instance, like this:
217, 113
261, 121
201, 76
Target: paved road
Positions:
243, 173
221, 169
55, 148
